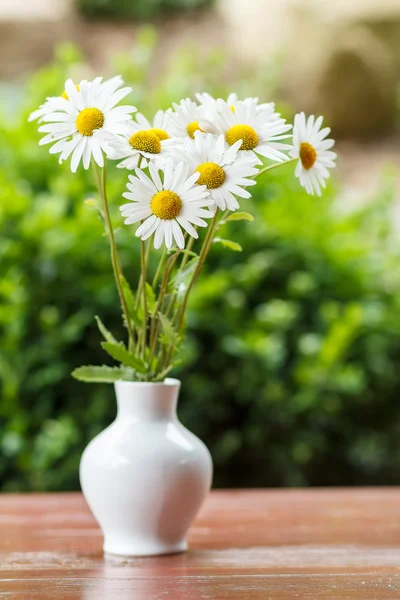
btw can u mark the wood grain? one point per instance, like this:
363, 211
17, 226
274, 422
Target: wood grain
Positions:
264, 545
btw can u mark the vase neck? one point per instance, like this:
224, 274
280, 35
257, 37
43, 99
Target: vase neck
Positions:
147, 401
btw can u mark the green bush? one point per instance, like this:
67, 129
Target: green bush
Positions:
135, 9
291, 366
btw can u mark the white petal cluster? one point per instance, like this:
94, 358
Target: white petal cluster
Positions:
187, 118
166, 207
208, 103
145, 141
223, 170
80, 125
199, 157
261, 129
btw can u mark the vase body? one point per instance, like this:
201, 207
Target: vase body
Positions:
146, 476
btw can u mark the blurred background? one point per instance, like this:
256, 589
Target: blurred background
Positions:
291, 371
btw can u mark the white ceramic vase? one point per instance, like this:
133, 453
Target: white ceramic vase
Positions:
146, 476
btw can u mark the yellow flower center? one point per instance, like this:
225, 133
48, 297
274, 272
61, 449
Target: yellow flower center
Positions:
65, 95
192, 127
308, 155
242, 132
211, 175
160, 133
166, 205
88, 120
145, 141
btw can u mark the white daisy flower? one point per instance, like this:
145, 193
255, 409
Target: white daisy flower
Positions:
187, 118
209, 103
144, 140
89, 109
261, 131
166, 206
313, 152
51, 104
224, 171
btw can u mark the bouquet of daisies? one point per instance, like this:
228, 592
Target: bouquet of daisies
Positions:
191, 167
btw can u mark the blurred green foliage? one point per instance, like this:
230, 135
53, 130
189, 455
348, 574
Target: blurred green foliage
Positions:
135, 9
290, 370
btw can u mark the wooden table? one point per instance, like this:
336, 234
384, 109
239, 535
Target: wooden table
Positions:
245, 544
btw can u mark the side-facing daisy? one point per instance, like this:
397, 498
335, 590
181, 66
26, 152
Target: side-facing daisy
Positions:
166, 206
187, 118
261, 131
73, 121
313, 151
49, 106
145, 140
224, 171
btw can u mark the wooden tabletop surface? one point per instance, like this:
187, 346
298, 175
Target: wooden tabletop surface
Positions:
264, 544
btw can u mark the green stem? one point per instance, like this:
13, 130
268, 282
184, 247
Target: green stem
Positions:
274, 166
139, 290
144, 258
202, 257
159, 268
189, 247
171, 305
140, 282
180, 269
155, 322
102, 187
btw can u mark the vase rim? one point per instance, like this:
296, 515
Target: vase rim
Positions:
168, 382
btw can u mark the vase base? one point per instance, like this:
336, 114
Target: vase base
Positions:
132, 550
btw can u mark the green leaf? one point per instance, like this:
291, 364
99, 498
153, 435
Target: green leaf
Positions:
182, 277
168, 337
121, 354
108, 336
229, 244
129, 297
102, 374
150, 297
130, 300
240, 216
